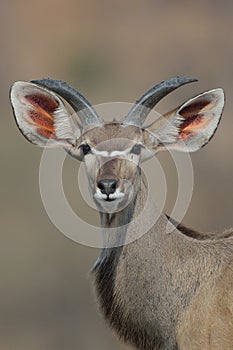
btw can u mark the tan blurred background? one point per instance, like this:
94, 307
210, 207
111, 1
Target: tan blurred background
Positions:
110, 51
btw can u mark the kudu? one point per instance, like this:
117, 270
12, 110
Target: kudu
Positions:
165, 290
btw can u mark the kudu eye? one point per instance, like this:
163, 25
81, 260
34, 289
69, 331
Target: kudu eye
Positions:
85, 149
136, 149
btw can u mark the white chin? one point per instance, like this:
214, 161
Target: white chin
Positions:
113, 205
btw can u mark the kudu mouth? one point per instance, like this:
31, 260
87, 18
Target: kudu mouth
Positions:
113, 195
110, 190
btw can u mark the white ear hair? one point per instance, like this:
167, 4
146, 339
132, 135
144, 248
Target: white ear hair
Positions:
42, 116
190, 126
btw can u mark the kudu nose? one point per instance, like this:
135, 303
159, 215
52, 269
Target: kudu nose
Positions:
107, 186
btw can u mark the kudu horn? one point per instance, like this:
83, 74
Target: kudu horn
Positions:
78, 102
143, 106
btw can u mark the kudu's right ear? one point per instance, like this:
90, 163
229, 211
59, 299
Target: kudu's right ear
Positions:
42, 117
189, 127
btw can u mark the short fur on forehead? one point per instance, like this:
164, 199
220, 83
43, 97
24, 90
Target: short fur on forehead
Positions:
112, 131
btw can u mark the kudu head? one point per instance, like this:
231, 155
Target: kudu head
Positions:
51, 113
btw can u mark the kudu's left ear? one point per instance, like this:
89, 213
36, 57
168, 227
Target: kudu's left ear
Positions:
189, 127
42, 117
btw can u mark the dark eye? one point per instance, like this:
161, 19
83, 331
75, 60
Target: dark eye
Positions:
85, 148
136, 149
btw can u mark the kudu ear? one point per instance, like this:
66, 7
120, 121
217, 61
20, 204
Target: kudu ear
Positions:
42, 117
189, 127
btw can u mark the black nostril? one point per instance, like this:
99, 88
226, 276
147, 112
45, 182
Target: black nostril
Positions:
107, 186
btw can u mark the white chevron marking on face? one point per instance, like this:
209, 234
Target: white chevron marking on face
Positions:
114, 153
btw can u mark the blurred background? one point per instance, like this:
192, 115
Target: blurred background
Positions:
110, 51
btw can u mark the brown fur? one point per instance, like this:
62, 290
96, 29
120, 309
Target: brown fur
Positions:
111, 132
163, 291
208, 322
168, 291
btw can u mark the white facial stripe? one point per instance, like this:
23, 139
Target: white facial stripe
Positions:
120, 153
111, 153
99, 153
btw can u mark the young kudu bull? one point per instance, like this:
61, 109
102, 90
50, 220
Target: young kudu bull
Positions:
165, 290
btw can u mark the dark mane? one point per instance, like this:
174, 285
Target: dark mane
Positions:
200, 235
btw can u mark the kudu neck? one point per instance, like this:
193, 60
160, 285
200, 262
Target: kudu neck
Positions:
133, 221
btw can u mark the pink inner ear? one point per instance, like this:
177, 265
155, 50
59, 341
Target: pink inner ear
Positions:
184, 135
193, 122
195, 107
42, 114
46, 103
195, 118
190, 126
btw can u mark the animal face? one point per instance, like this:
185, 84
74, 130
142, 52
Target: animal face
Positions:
113, 152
